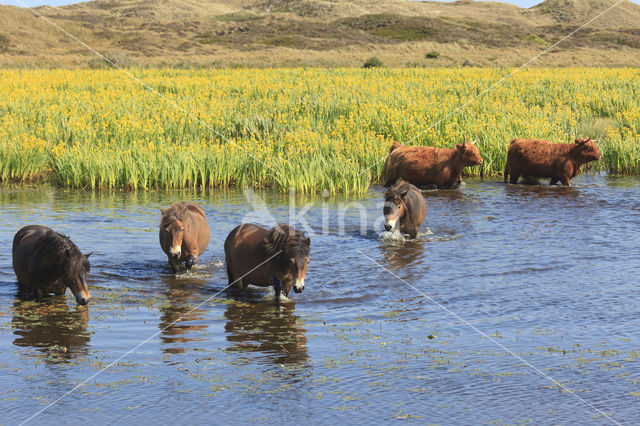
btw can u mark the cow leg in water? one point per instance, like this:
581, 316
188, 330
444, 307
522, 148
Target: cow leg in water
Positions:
553, 181
565, 181
277, 287
514, 178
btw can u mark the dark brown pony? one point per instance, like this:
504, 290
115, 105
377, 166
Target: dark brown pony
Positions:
262, 257
47, 262
184, 234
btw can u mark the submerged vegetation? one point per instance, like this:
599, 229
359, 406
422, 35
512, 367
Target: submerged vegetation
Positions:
310, 129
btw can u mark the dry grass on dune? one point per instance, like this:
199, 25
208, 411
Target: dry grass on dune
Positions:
320, 33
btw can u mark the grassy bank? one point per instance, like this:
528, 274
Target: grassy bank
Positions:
311, 129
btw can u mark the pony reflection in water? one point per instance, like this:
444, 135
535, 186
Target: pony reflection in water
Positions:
274, 331
180, 321
55, 330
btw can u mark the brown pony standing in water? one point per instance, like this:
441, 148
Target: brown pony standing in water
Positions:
404, 208
184, 234
48, 262
262, 257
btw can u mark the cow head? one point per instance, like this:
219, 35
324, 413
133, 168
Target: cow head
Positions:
586, 148
470, 153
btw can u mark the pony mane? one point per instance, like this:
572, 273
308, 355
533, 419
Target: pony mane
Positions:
173, 213
396, 190
285, 238
60, 254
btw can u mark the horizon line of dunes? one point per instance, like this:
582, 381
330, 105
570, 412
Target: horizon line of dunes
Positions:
308, 129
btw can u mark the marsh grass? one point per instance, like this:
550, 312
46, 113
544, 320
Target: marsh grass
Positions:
308, 129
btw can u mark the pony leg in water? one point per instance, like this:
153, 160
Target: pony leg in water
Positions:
175, 266
277, 286
190, 261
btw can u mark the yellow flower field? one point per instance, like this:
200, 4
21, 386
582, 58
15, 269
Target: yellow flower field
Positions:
310, 129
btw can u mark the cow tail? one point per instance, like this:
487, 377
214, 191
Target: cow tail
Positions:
388, 168
506, 165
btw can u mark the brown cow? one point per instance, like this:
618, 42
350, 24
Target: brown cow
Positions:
430, 166
539, 158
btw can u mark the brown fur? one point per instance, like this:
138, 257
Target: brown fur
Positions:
282, 251
405, 206
429, 166
539, 158
184, 226
47, 262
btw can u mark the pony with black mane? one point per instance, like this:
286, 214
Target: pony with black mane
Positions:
262, 257
47, 262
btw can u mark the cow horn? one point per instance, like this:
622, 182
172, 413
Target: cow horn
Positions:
589, 138
474, 142
464, 140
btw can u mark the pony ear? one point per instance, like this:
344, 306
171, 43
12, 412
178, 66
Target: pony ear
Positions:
308, 241
86, 256
404, 193
293, 260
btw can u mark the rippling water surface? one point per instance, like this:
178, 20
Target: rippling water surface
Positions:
516, 304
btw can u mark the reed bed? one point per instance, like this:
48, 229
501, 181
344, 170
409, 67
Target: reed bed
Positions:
308, 129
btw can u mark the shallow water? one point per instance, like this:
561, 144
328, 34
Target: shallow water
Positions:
507, 289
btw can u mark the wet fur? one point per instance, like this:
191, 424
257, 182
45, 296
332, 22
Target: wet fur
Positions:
52, 262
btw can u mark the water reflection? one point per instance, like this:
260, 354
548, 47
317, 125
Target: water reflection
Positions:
267, 328
177, 315
51, 327
519, 191
400, 255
